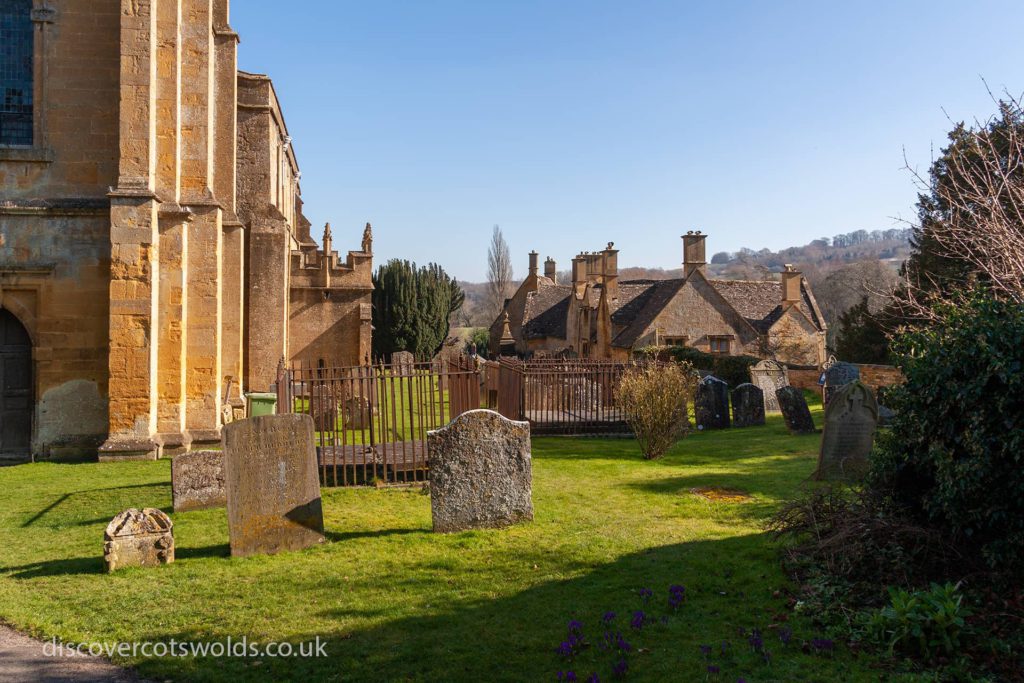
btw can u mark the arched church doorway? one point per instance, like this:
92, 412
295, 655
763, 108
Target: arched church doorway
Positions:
15, 387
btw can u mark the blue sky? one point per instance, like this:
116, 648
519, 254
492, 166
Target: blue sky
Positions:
570, 123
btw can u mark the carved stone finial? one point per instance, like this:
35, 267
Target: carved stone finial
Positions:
327, 232
368, 239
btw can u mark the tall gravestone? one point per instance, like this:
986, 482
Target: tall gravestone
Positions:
711, 407
851, 418
769, 376
138, 538
402, 363
197, 481
795, 411
836, 376
481, 472
273, 491
747, 406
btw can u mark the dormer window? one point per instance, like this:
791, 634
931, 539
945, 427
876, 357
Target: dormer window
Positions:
719, 345
16, 73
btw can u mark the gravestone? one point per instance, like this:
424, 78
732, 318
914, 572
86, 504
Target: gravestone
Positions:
480, 472
795, 411
836, 376
711, 407
769, 376
402, 363
273, 491
747, 406
356, 413
323, 406
197, 481
851, 418
138, 538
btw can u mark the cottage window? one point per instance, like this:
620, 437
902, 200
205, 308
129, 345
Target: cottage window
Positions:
16, 50
720, 345
674, 341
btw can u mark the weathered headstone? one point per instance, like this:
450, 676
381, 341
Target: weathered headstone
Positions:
711, 407
747, 406
836, 376
197, 481
769, 376
138, 538
273, 491
851, 418
356, 413
402, 363
480, 472
323, 406
795, 411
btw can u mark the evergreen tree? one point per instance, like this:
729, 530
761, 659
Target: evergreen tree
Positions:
862, 335
411, 308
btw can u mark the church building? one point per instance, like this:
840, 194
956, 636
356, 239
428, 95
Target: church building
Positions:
155, 263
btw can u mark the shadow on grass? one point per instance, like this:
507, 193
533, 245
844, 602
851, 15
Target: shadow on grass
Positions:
68, 496
451, 634
339, 537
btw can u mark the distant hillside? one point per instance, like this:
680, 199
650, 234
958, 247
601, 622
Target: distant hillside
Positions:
841, 269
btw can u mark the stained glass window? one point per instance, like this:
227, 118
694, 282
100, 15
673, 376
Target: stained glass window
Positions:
16, 72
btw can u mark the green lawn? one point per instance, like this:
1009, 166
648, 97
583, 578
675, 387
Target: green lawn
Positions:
397, 602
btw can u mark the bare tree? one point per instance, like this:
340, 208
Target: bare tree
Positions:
499, 272
981, 223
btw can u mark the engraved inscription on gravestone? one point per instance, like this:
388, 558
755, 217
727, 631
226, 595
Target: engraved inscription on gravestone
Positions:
273, 491
851, 418
197, 481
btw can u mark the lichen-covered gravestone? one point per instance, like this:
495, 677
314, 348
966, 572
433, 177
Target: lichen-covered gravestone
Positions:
272, 486
795, 411
747, 406
197, 481
769, 376
851, 418
838, 375
402, 363
138, 538
711, 407
480, 472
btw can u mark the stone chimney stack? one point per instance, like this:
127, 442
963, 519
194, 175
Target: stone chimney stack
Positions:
550, 270
791, 278
533, 263
579, 272
611, 270
693, 253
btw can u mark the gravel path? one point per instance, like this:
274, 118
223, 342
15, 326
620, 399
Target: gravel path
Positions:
22, 659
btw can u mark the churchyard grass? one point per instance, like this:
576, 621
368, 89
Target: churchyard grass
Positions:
394, 601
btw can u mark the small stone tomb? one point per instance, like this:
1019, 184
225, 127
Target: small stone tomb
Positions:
769, 376
197, 481
711, 407
402, 363
138, 538
273, 490
747, 406
836, 376
795, 411
481, 472
851, 418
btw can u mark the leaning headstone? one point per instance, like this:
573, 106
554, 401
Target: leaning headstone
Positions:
480, 472
795, 411
836, 376
711, 407
138, 538
273, 490
402, 363
747, 406
197, 481
851, 418
769, 376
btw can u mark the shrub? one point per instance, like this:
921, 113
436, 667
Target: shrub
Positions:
954, 456
734, 370
921, 623
480, 336
655, 400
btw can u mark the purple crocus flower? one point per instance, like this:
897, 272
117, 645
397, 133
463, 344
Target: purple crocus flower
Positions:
645, 594
638, 620
705, 650
565, 649
712, 669
575, 627
823, 645
725, 647
785, 635
594, 678
567, 676
622, 643
608, 617
676, 596
755, 640
620, 668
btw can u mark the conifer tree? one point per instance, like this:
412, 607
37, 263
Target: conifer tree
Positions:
412, 307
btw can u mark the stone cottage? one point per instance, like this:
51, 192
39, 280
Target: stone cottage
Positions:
597, 316
154, 260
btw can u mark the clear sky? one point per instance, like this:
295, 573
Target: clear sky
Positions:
574, 123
